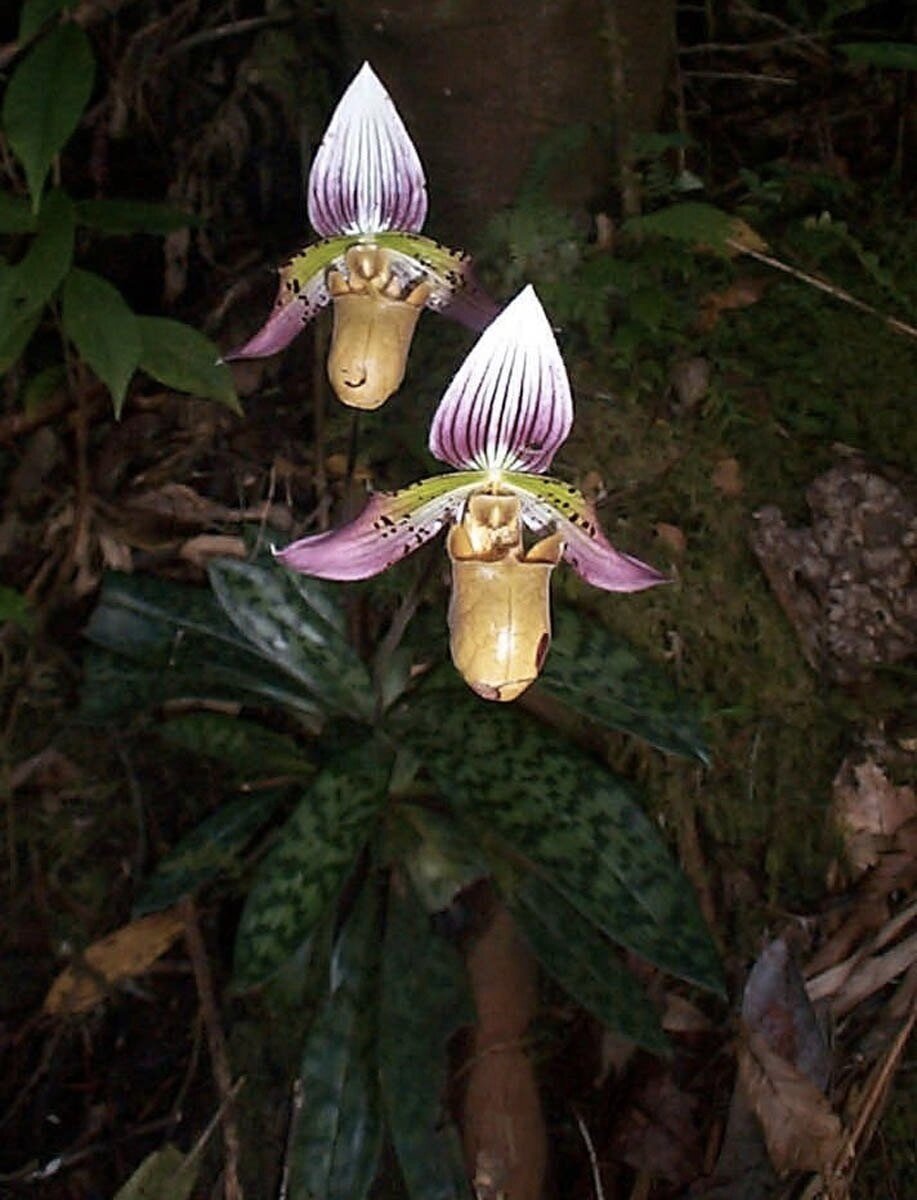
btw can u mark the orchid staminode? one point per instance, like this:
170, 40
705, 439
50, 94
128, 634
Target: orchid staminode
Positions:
367, 199
499, 423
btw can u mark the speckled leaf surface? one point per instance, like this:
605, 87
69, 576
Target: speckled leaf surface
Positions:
212, 847
582, 961
338, 1134
247, 750
303, 873
294, 625
574, 820
183, 647
424, 1000
601, 676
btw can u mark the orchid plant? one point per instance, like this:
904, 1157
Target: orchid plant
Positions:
367, 199
499, 424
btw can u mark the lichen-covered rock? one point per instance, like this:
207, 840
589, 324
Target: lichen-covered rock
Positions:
848, 583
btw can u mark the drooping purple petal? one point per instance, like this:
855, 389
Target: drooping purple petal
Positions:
285, 321
366, 176
470, 306
594, 558
551, 502
390, 527
509, 406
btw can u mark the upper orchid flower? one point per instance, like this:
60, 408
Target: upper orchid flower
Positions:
368, 201
500, 422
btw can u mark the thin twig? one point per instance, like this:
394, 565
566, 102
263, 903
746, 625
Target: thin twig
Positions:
220, 32
593, 1161
216, 1042
824, 285
744, 77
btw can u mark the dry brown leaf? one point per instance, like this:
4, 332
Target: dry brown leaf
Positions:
671, 537
800, 1128
869, 810
126, 952
727, 477
743, 237
743, 293
681, 1016
201, 549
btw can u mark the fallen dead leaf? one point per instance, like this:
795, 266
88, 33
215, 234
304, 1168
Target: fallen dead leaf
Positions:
744, 238
727, 477
869, 810
743, 293
800, 1128
206, 546
671, 537
119, 955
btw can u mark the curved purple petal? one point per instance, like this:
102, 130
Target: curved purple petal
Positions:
390, 527
285, 321
509, 406
470, 306
366, 176
593, 557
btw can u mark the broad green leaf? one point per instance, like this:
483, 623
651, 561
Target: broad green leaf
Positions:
39, 388
702, 225
895, 56
314, 853
15, 214
166, 1174
582, 961
104, 330
132, 216
44, 101
575, 821
34, 13
338, 1134
181, 358
438, 857
212, 847
15, 338
293, 623
184, 647
14, 607
41, 270
249, 751
424, 1001
602, 677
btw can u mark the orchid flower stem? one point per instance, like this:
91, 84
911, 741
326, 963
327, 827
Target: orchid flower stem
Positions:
352, 447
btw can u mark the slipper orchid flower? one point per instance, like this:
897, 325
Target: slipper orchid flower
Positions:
367, 198
500, 422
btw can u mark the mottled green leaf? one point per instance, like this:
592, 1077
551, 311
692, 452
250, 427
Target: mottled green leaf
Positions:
104, 330
439, 859
249, 751
338, 1133
44, 100
166, 1174
15, 337
895, 56
306, 869
424, 1000
132, 216
181, 358
294, 623
15, 214
576, 821
212, 847
39, 273
693, 221
603, 678
582, 961
184, 647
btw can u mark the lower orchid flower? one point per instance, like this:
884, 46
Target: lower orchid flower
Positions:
368, 200
500, 423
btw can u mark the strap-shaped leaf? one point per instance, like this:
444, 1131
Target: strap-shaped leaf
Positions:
576, 821
181, 358
424, 1000
338, 1134
44, 101
576, 955
293, 624
208, 850
248, 750
103, 328
314, 853
184, 647
602, 677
